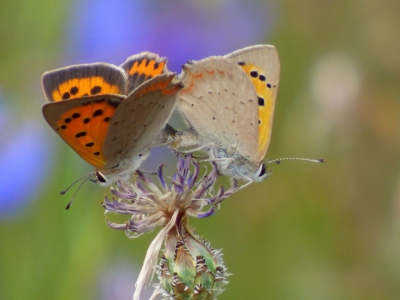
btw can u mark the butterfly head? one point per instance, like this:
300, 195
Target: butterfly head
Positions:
242, 168
261, 173
255, 172
103, 179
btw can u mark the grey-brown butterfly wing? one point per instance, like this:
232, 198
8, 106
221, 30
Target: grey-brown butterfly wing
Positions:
139, 119
220, 103
142, 67
83, 80
261, 64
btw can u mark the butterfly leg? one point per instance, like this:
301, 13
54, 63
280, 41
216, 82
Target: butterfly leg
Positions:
197, 149
149, 172
223, 159
200, 157
247, 183
250, 180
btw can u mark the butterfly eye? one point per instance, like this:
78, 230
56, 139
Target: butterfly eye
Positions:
261, 170
100, 177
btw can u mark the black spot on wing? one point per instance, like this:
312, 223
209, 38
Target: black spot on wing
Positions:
80, 134
74, 90
254, 74
95, 90
66, 96
97, 113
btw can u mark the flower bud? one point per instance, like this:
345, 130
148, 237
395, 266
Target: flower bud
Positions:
190, 268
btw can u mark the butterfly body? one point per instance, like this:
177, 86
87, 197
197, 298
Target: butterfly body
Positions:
228, 102
113, 131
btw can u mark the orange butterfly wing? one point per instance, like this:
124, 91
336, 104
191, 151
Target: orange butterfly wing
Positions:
83, 124
78, 116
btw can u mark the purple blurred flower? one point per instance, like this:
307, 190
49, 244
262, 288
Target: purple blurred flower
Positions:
116, 280
24, 151
180, 30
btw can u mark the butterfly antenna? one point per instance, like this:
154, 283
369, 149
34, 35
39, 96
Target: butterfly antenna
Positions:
72, 184
77, 190
278, 160
148, 172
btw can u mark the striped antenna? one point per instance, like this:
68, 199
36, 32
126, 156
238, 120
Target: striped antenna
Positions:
86, 178
278, 160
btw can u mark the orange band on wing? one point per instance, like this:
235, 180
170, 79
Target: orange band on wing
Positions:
266, 103
83, 87
189, 87
161, 86
148, 67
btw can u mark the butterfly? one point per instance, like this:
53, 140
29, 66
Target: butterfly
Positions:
228, 102
111, 116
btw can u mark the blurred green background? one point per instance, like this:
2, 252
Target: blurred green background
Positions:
328, 231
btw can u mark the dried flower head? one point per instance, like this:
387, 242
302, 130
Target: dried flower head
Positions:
189, 268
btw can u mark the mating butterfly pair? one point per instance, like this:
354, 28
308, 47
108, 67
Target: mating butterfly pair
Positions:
112, 116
